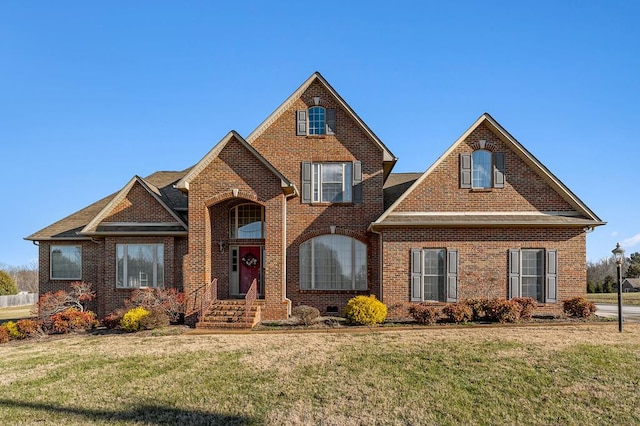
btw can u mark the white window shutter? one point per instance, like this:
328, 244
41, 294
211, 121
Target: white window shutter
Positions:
306, 182
465, 171
452, 275
514, 274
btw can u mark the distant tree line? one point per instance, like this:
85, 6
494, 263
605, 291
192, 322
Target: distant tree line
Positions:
602, 275
25, 277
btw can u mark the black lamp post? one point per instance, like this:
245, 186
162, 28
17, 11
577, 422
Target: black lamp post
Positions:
618, 255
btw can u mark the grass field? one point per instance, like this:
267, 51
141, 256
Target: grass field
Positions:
612, 298
16, 312
570, 375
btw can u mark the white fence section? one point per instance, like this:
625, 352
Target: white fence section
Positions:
18, 300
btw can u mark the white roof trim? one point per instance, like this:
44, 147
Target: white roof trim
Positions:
155, 193
520, 150
215, 151
388, 156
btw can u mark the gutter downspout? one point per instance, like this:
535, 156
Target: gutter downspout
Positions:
380, 260
285, 299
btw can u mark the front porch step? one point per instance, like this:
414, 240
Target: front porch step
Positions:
231, 314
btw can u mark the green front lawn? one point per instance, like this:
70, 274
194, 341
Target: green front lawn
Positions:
570, 375
612, 298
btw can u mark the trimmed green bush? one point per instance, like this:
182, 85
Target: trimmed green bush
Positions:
579, 307
131, 320
306, 315
365, 310
7, 284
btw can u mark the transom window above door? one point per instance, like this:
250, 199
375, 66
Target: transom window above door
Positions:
246, 221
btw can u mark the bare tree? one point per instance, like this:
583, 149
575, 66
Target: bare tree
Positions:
26, 276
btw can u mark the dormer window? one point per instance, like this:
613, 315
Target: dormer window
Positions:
482, 169
315, 121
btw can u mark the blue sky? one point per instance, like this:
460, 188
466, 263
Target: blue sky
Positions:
92, 93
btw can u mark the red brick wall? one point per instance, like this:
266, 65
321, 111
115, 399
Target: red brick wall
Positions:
210, 195
286, 151
524, 190
139, 206
483, 259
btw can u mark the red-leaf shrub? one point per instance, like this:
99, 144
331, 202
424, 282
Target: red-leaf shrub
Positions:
52, 303
422, 313
73, 320
112, 320
527, 306
28, 327
169, 300
579, 307
479, 307
503, 311
4, 334
458, 312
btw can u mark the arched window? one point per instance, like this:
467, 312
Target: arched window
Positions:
333, 262
317, 116
246, 221
482, 168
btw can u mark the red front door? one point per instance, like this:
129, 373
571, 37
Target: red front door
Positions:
250, 266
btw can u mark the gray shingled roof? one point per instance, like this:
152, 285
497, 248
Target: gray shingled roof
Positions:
68, 227
633, 282
396, 185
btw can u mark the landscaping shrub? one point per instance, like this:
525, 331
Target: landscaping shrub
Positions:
157, 318
527, 306
422, 313
112, 320
170, 300
28, 327
365, 310
73, 320
503, 311
479, 307
306, 315
458, 312
7, 284
53, 303
4, 334
131, 319
579, 307
14, 333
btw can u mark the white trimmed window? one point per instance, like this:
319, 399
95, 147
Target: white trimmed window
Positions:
333, 262
246, 221
66, 262
139, 265
534, 273
434, 275
482, 168
332, 182
315, 121
317, 116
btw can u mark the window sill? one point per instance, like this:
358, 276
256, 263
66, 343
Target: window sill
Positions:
316, 136
348, 203
481, 190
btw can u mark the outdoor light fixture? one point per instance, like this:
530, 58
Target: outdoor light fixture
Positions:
618, 256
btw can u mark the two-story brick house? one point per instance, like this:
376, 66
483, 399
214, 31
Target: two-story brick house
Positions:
308, 207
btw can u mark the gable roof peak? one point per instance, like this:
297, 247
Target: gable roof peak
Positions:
521, 152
